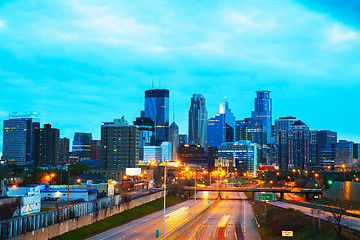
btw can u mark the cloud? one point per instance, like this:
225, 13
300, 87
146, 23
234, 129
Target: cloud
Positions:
79, 60
2, 23
338, 34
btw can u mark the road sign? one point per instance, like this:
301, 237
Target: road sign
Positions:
287, 233
265, 197
157, 233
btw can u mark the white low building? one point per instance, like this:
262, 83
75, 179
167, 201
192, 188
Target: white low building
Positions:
30, 198
75, 194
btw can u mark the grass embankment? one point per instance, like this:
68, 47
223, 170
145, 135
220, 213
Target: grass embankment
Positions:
119, 219
271, 226
277, 219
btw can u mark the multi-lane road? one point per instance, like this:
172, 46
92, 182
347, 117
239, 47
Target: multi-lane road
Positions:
229, 219
145, 228
225, 220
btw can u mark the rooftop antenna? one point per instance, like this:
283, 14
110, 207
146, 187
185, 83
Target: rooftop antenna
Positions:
152, 85
159, 83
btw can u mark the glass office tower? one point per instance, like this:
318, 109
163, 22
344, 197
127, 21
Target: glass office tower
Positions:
198, 122
18, 137
263, 106
157, 108
82, 144
221, 127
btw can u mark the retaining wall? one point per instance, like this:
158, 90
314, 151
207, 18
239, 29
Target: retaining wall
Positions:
50, 224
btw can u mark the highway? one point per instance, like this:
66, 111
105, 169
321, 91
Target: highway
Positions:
225, 220
145, 228
348, 221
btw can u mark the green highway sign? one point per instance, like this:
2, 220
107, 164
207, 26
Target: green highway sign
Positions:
265, 196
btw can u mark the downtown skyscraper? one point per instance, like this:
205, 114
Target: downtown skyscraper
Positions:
119, 145
82, 144
221, 127
18, 137
157, 108
46, 146
263, 112
198, 122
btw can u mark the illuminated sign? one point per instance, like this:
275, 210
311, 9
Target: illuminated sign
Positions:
133, 171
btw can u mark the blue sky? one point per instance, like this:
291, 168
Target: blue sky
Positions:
80, 63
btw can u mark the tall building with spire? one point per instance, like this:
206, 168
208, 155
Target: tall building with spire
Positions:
157, 108
263, 112
174, 139
198, 121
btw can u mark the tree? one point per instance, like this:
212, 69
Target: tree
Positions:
7, 210
77, 169
289, 219
356, 166
34, 175
336, 217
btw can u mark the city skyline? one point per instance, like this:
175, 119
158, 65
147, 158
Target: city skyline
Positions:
98, 128
80, 64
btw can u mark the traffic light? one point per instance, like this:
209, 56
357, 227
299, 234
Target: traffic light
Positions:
316, 185
330, 182
157, 233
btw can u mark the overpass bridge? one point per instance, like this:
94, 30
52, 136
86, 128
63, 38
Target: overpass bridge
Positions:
306, 191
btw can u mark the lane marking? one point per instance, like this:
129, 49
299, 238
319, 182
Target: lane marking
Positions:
234, 230
177, 212
243, 232
202, 232
194, 235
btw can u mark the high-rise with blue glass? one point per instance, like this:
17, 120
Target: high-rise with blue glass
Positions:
18, 137
81, 145
221, 127
157, 108
146, 133
263, 105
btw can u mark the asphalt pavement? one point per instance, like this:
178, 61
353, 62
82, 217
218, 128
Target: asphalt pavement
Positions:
145, 228
225, 220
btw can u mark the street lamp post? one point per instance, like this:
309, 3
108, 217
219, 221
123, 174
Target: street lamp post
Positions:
210, 189
344, 169
195, 191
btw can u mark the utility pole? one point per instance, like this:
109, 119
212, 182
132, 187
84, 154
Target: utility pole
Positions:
68, 185
164, 196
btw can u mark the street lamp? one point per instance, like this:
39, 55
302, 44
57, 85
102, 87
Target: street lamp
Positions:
52, 175
344, 169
